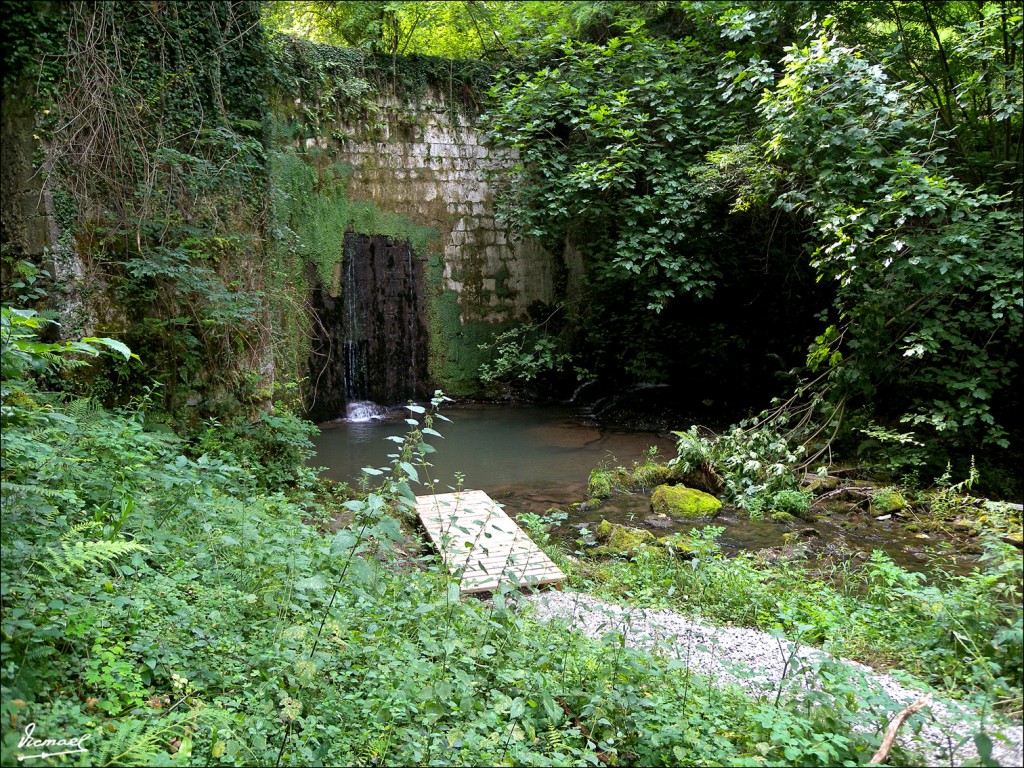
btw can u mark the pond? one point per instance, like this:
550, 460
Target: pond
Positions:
535, 458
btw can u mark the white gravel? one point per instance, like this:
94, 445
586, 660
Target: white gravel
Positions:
760, 663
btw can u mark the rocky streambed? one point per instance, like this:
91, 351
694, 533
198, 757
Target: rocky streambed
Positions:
830, 519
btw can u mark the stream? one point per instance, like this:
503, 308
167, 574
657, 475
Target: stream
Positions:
534, 458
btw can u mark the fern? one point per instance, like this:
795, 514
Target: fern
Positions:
554, 737
13, 489
84, 410
37, 652
136, 742
68, 558
139, 742
375, 749
128, 744
61, 363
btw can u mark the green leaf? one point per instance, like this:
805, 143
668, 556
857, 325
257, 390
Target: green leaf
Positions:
113, 344
518, 708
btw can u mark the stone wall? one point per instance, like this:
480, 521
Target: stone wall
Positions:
419, 159
24, 228
30, 221
425, 161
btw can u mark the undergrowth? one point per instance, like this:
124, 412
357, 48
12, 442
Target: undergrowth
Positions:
179, 612
164, 604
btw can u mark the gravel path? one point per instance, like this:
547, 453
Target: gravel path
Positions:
759, 662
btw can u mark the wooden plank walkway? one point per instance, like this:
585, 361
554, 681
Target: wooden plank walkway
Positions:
481, 545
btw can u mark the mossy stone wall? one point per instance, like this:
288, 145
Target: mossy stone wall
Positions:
419, 162
209, 280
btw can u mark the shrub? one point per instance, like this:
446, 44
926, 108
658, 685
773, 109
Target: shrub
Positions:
791, 502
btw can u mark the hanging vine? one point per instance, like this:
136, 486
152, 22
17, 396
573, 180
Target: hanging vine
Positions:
152, 138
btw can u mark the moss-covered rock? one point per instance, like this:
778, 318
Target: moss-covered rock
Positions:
704, 478
599, 486
682, 503
648, 475
642, 477
966, 525
782, 517
885, 501
818, 484
621, 540
791, 501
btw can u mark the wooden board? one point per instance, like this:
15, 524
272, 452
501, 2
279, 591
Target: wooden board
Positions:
481, 545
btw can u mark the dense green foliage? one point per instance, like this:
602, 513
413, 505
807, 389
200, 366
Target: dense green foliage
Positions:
150, 142
669, 141
707, 161
176, 606
454, 29
743, 182
927, 271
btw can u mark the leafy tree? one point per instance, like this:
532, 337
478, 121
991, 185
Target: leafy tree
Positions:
927, 271
965, 59
612, 137
605, 134
454, 29
627, 144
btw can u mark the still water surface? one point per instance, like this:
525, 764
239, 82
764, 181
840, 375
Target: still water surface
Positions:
533, 458
528, 458
495, 448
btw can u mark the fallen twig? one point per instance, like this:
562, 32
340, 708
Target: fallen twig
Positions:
894, 726
602, 756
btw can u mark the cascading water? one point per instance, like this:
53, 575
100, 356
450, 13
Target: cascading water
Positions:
364, 410
356, 373
369, 342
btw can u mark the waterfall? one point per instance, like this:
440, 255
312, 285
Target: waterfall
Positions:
355, 369
364, 410
369, 346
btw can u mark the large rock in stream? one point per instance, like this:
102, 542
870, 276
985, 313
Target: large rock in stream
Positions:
620, 540
617, 540
682, 503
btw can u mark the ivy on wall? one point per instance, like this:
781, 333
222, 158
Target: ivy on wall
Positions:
173, 142
312, 212
151, 147
347, 83
322, 94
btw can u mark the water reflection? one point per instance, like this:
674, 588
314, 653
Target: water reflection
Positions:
498, 449
532, 459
